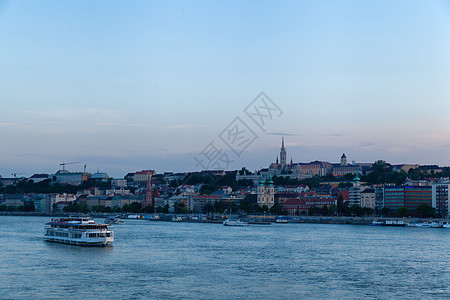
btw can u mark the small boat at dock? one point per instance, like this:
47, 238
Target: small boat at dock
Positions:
234, 222
394, 223
113, 220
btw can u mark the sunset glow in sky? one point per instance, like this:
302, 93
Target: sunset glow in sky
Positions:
128, 85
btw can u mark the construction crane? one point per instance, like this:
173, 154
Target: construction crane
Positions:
63, 164
15, 174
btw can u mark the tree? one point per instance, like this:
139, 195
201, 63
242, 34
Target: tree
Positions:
332, 209
265, 209
340, 205
425, 211
208, 208
180, 208
379, 166
220, 207
366, 211
277, 209
356, 210
148, 209
324, 211
402, 212
314, 211
385, 211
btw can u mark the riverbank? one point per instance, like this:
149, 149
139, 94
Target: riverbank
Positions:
251, 219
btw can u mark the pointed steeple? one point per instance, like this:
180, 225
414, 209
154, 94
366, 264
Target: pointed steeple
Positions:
282, 154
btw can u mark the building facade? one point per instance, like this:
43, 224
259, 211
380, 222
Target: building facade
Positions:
439, 198
368, 198
265, 194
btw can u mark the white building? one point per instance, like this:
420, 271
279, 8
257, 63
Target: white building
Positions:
119, 183
118, 191
368, 198
355, 192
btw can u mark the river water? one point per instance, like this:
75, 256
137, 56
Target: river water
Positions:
164, 260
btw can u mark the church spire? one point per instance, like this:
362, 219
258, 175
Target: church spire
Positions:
282, 154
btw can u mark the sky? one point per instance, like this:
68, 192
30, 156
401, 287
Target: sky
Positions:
129, 85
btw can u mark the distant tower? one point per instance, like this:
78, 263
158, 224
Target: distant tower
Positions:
343, 160
148, 201
282, 154
355, 191
265, 195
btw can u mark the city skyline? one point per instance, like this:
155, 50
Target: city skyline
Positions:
123, 87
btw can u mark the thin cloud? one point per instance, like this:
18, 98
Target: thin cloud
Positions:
332, 134
281, 133
181, 126
366, 144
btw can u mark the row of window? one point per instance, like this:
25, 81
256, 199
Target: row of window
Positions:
57, 233
99, 234
76, 235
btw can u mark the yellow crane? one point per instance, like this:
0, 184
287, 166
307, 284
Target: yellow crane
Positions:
63, 164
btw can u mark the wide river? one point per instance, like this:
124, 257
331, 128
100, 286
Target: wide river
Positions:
166, 260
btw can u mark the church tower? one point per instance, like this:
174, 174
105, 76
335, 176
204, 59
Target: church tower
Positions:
343, 160
282, 154
265, 194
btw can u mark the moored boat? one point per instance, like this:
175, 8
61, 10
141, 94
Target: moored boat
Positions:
377, 223
394, 223
78, 231
446, 224
233, 222
113, 220
281, 221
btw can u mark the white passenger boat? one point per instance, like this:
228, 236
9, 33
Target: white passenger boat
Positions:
232, 222
78, 231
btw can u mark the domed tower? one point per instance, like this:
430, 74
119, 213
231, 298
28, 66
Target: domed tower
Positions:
270, 191
356, 180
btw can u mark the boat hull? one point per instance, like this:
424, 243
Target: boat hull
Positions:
78, 242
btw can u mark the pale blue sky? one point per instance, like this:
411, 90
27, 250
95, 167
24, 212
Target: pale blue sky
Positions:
128, 85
